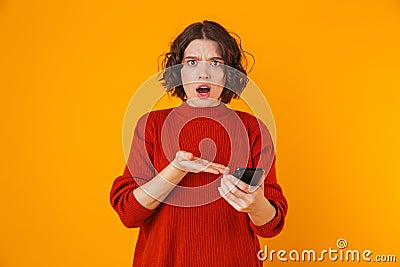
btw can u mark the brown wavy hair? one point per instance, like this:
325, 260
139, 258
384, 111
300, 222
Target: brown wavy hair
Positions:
232, 54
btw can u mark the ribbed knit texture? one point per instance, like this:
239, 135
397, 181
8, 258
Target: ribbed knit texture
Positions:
189, 229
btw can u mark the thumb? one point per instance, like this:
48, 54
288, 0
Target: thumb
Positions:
187, 155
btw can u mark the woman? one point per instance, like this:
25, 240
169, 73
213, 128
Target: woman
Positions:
177, 185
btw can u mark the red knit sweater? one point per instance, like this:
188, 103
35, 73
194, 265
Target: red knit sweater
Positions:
195, 226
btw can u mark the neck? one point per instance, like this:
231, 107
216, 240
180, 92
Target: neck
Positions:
203, 103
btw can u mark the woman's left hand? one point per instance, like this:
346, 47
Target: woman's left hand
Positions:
247, 198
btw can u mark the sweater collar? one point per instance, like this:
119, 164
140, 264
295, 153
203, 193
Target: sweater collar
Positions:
216, 112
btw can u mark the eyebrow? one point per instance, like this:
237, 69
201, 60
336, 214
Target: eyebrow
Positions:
197, 58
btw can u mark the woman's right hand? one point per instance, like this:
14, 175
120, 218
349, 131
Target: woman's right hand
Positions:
185, 161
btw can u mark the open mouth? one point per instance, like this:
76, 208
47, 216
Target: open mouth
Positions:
203, 90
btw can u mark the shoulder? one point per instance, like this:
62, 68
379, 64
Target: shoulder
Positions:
153, 119
255, 127
244, 115
250, 121
259, 135
154, 116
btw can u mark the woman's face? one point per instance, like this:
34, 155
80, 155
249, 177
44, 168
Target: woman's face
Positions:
202, 73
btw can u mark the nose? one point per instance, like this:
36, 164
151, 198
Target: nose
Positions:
203, 71
203, 76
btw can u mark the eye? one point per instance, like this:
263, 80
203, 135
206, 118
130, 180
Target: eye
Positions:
191, 62
215, 63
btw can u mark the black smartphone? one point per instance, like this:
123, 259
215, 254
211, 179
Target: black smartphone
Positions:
250, 176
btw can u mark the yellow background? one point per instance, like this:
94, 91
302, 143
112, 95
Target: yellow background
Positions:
329, 69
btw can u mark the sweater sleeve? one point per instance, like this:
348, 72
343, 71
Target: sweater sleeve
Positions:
138, 170
263, 155
273, 192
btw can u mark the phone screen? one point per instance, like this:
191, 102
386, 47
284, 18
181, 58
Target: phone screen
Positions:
250, 176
